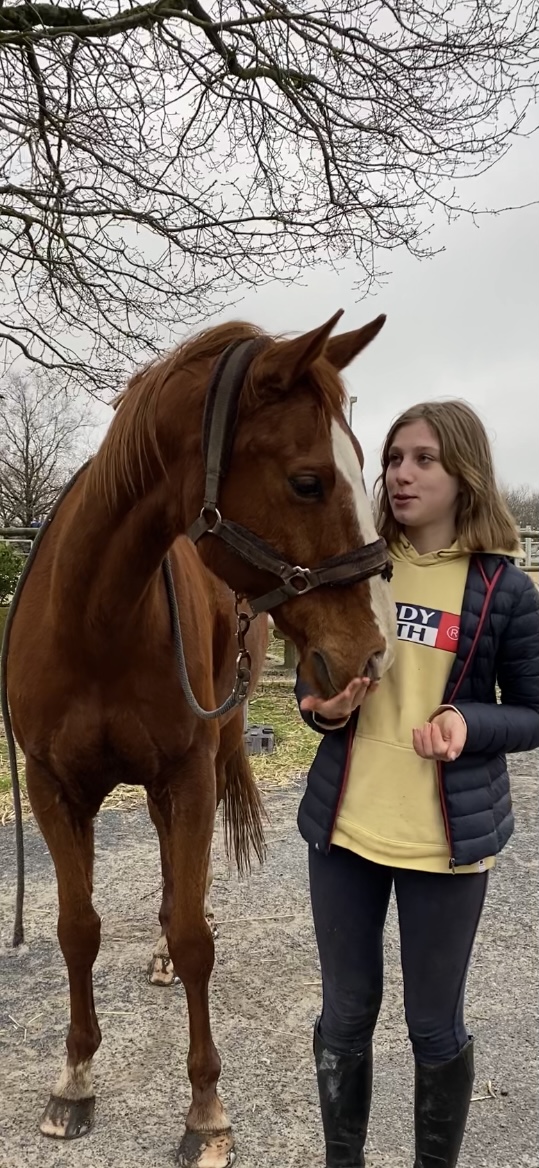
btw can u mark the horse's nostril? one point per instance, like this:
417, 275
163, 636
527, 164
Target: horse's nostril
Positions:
374, 666
323, 675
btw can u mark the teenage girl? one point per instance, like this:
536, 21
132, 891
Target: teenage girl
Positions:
409, 789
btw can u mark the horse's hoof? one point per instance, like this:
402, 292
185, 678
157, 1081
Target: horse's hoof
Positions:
206, 1150
67, 1119
161, 970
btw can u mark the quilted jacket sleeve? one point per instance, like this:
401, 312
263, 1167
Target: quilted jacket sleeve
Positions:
512, 725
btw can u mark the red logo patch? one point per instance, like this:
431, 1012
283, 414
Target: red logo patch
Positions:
448, 632
428, 626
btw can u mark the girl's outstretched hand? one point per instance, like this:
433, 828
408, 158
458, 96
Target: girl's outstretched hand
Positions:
339, 707
443, 738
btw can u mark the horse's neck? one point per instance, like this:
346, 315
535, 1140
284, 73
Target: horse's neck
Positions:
111, 556
122, 529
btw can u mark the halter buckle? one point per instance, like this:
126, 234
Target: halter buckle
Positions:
298, 578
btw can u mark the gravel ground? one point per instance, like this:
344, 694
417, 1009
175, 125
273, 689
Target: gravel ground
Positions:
265, 995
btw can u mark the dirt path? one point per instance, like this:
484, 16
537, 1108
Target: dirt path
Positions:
265, 996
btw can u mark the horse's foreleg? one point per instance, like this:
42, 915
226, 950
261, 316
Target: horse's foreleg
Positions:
69, 836
161, 970
208, 906
208, 1141
221, 784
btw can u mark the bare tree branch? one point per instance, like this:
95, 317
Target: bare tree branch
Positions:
44, 437
523, 502
156, 157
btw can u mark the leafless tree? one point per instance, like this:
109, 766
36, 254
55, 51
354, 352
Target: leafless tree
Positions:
523, 502
44, 437
155, 156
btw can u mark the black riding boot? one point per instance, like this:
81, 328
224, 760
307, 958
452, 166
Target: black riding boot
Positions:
442, 1101
345, 1088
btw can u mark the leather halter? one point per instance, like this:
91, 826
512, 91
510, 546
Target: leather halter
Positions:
220, 418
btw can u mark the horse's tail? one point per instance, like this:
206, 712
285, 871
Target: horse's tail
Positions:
243, 812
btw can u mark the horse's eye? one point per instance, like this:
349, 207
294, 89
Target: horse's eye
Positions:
307, 486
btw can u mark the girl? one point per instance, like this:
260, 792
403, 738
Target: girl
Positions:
410, 789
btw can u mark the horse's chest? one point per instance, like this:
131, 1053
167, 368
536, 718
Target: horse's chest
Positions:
118, 743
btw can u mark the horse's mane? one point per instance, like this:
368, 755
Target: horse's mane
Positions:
131, 440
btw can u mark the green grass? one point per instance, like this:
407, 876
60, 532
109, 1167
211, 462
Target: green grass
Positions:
4, 609
6, 806
275, 705
5, 779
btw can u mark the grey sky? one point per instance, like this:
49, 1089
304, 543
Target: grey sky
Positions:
463, 324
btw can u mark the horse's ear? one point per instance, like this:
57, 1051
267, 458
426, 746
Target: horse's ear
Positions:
341, 350
286, 361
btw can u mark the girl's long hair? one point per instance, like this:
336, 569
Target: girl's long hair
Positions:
484, 522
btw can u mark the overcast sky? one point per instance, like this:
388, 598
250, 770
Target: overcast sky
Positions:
464, 323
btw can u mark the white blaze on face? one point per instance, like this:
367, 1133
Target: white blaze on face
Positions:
348, 464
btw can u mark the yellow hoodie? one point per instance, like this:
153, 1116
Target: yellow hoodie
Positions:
391, 811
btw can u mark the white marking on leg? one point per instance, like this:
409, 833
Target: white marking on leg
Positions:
161, 969
208, 908
161, 947
75, 1082
382, 604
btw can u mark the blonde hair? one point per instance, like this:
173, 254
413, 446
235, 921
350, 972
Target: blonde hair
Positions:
484, 522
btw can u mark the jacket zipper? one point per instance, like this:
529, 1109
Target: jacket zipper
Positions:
346, 771
441, 789
445, 814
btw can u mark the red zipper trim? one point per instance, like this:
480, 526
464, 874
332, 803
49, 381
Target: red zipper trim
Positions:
346, 772
490, 586
490, 589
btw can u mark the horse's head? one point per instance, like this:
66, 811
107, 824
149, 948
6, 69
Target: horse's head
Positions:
294, 480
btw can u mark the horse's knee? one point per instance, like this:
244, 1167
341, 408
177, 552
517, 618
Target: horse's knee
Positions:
192, 951
79, 936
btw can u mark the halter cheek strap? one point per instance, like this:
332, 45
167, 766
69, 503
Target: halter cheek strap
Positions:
220, 417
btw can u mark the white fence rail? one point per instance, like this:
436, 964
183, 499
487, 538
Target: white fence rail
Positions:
530, 547
23, 537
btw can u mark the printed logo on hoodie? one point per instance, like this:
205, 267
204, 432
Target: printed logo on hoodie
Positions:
428, 626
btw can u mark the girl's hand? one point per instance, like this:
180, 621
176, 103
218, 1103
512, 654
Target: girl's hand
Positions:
341, 706
443, 738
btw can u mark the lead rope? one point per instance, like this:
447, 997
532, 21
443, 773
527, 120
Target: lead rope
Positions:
18, 929
243, 660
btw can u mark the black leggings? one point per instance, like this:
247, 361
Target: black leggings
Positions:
438, 919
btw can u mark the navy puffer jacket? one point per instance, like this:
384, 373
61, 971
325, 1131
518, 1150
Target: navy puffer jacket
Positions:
498, 643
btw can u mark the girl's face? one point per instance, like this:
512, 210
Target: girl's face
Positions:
421, 492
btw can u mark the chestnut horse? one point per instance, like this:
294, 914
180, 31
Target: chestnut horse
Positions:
92, 681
